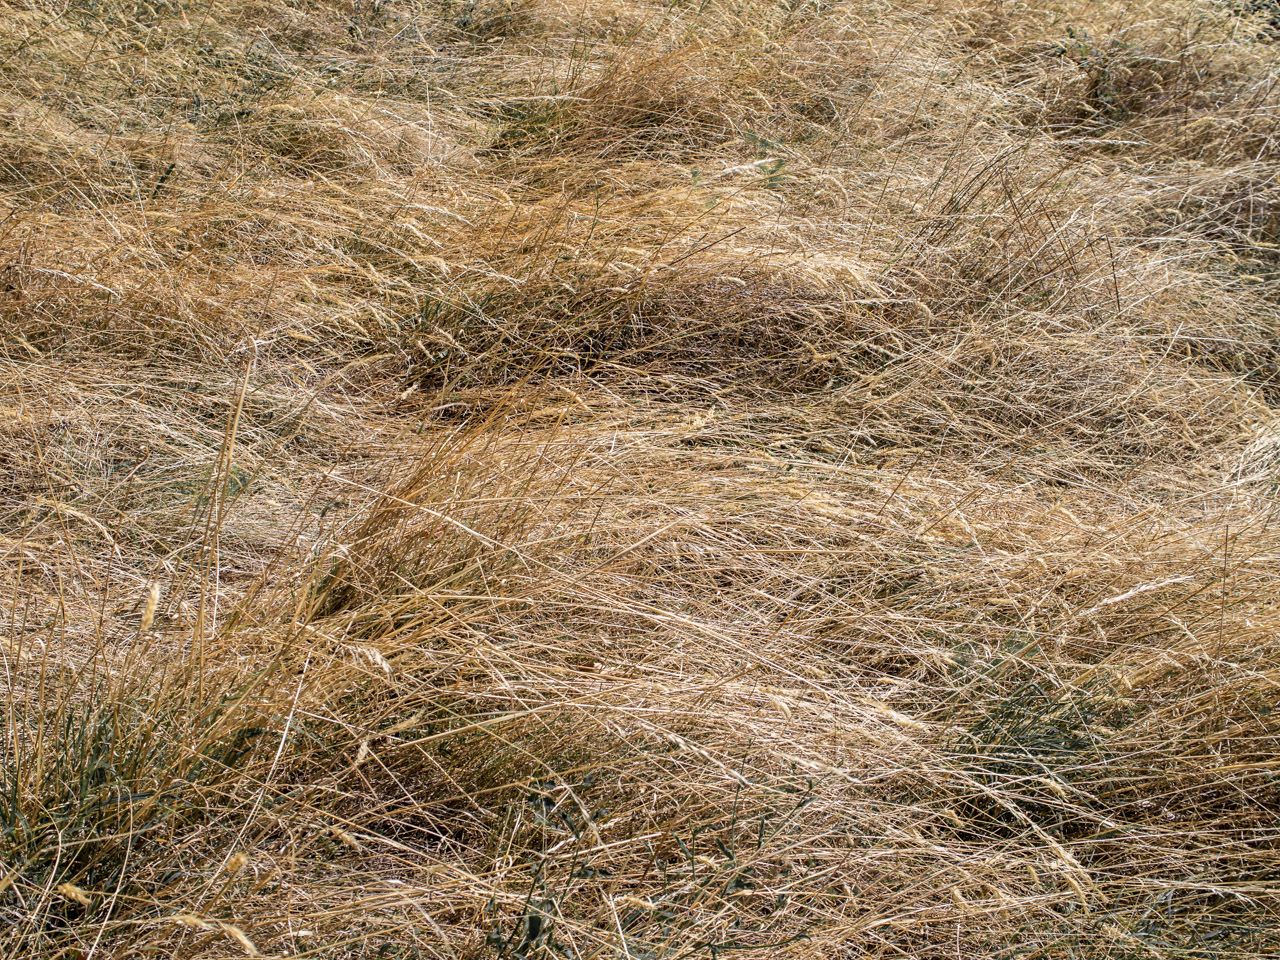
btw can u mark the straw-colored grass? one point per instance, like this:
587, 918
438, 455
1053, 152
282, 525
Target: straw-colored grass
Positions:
530, 479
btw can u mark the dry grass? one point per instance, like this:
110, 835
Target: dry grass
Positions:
522, 479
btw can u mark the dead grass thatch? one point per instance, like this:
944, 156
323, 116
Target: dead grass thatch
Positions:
528, 480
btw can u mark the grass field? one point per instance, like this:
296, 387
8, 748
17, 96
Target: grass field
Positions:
634, 480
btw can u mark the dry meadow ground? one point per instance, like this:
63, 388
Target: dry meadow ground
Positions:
625, 480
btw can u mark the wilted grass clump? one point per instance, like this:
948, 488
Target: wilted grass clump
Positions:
531, 480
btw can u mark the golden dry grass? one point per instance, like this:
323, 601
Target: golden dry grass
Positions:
527, 479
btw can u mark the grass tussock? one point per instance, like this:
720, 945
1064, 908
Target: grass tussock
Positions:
533, 480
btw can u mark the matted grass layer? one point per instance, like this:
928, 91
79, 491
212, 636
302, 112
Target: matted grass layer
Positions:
521, 479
